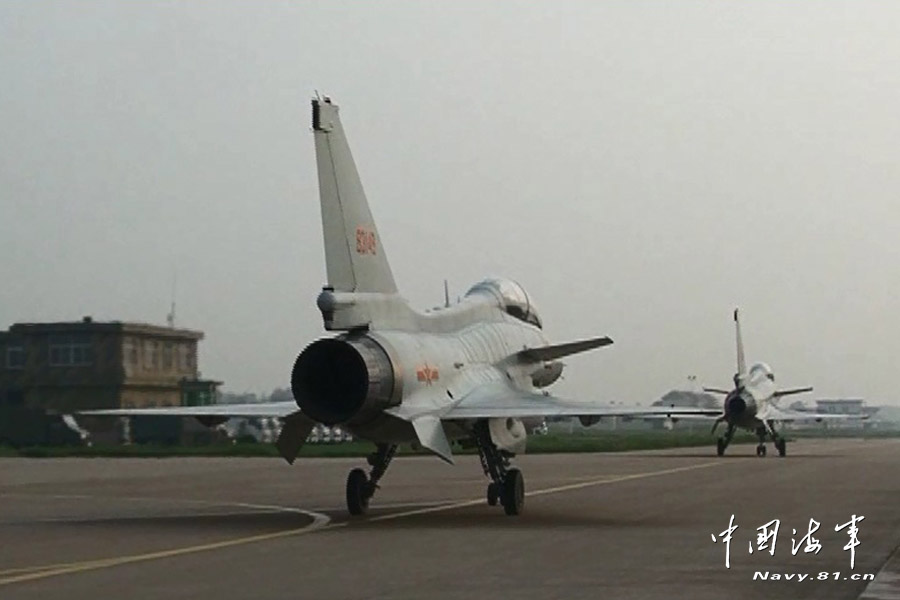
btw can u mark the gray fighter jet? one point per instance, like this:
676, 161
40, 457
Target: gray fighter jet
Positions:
472, 372
753, 403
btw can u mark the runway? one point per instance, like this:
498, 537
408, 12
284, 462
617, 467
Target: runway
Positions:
629, 525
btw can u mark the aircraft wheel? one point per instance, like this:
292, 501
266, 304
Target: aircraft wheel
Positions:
720, 447
761, 450
513, 492
493, 494
781, 445
358, 492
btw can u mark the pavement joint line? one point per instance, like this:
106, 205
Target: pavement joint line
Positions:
886, 585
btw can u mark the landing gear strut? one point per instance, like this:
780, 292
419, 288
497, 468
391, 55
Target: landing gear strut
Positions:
723, 441
361, 487
780, 442
761, 447
493, 494
507, 484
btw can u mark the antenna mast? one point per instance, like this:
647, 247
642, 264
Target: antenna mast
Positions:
170, 318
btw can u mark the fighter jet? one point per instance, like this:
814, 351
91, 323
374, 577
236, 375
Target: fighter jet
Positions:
469, 372
752, 404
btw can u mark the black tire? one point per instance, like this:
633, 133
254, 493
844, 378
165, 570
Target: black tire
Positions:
358, 492
513, 493
761, 450
720, 447
781, 445
493, 494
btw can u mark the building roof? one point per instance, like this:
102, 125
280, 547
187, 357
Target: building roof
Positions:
88, 325
839, 401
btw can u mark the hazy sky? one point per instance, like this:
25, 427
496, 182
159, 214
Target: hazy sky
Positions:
640, 167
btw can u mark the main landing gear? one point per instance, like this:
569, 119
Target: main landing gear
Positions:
507, 484
361, 487
763, 431
723, 441
780, 442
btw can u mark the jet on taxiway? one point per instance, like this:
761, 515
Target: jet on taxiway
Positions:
752, 404
469, 372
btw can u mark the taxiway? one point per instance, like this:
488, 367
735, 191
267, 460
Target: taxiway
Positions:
626, 525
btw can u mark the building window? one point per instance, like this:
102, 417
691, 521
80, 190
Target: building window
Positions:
167, 356
186, 357
151, 356
15, 357
15, 397
70, 351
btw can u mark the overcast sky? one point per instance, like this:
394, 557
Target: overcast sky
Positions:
640, 167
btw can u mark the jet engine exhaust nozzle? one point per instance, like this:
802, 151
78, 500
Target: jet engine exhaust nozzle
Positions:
343, 380
735, 405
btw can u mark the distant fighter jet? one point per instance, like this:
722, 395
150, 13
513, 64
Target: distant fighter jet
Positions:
752, 404
471, 371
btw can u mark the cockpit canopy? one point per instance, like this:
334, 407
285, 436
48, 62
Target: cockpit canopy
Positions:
762, 369
512, 298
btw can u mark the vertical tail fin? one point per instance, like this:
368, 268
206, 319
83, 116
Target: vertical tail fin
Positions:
354, 258
741, 361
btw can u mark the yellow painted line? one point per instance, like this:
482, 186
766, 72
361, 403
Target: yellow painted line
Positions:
32, 569
320, 522
554, 490
620, 478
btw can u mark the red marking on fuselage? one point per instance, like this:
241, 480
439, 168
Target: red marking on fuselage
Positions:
427, 375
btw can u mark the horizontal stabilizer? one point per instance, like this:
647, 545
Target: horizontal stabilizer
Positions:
792, 391
559, 350
713, 390
432, 437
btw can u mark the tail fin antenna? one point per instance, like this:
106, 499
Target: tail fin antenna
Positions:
741, 361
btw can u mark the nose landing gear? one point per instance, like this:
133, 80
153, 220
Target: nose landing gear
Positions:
507, 484
768, 429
